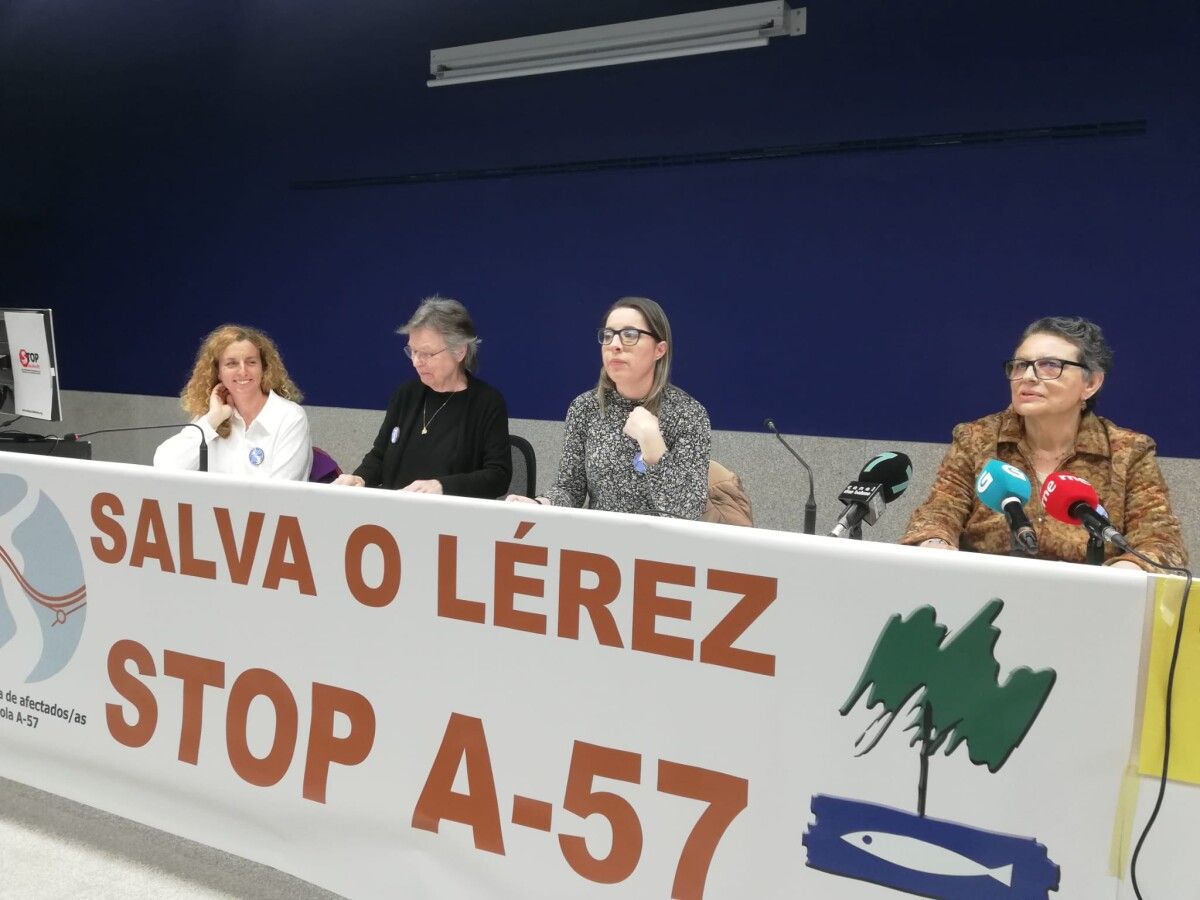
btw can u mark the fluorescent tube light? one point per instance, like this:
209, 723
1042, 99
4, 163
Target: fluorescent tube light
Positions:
713, 31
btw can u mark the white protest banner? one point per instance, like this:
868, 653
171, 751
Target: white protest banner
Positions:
399, 695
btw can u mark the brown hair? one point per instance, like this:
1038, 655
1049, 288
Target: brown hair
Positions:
656, 321
194, 396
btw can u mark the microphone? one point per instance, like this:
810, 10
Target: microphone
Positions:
1005, 489
881, 481
203, 442
1073, 500
810, 506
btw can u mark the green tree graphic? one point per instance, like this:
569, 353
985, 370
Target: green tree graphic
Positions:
951, 688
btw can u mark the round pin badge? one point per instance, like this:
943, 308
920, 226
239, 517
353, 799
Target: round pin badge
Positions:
257, 456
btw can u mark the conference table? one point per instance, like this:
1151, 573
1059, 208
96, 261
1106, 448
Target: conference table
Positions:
403, 695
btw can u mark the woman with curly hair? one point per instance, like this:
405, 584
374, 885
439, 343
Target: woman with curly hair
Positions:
241, 396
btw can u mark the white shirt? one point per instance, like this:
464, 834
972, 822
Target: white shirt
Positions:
276, 445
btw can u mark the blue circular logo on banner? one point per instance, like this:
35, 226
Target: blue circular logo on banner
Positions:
40, 564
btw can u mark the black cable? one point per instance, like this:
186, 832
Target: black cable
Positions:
17, 437
1131, 127
1162, 780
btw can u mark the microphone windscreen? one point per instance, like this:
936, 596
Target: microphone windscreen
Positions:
1061, 491
998, 481
891, 470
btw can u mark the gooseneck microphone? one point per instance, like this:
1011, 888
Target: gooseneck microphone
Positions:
881, 481
1073, 500
810, 505
203, 441
1005, 489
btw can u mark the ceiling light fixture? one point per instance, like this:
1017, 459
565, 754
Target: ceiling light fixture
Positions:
712, 31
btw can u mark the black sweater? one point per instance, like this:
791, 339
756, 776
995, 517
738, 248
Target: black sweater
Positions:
482, 464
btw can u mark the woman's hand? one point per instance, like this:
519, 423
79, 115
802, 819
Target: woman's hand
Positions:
350, 480
519, 498
218, 406
1126, 564
937, 544
426, 486
642, 426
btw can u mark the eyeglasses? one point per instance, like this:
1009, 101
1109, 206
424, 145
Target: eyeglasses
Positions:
1044, 369
629, 336
421, 355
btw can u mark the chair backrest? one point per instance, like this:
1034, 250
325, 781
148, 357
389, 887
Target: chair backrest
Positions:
324, 468
524, 467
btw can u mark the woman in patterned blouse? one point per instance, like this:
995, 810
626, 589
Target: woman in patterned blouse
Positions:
636, 443
1056, 371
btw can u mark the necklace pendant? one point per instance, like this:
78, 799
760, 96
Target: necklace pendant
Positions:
424, 430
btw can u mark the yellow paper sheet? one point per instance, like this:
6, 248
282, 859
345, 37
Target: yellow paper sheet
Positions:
1185, 718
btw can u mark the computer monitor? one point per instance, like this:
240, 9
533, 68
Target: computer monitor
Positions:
29, 365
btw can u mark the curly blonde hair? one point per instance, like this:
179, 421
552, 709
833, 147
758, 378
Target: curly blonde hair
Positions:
194, 396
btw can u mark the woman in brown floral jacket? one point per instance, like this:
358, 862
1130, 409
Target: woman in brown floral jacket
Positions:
1055, 374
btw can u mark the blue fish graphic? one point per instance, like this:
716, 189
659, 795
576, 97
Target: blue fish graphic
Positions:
922, 856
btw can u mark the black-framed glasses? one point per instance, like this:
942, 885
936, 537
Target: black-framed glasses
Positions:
421, 355
629, 336
1045, 369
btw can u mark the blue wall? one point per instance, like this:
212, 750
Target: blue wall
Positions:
151, 155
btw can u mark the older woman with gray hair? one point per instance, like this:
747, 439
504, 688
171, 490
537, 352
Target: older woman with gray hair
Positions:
445, 431
1050, 426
